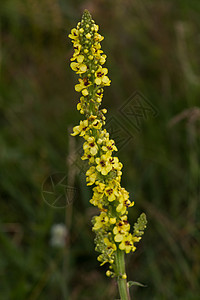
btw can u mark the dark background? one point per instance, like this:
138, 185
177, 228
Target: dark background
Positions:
153, 60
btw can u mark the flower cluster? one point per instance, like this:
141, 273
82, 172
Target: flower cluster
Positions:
111, 225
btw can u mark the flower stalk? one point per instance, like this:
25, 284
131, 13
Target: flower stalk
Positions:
122, 282
113, 231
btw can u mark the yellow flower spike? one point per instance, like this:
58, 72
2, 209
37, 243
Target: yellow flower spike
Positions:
111, 226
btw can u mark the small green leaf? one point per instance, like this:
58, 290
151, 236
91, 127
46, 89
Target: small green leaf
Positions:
131, 283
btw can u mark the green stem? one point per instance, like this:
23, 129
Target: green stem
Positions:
122, 283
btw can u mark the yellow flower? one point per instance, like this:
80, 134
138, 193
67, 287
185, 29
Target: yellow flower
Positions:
121, 229
98, 193
110, 146
88, 156
99, 95
97, 124
81, 105
124, 201
102, 59
112, 220
98, 37
100, 221
127, 244
91, 146
80, 129
99, 190
115, 164
82, 86
101, 78
92, 118
95, 27
103, 136
96, 50
121, 208
111, 191
74, 34
78, 68
103, 165
77, 49
91, 175
111, 246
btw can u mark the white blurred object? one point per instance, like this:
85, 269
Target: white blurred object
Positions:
58, 235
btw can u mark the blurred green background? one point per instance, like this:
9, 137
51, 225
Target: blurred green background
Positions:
153, 48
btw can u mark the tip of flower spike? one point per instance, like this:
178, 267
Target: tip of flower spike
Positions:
86, 17
87, 14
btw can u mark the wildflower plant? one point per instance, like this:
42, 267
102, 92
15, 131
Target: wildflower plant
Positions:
114, 236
